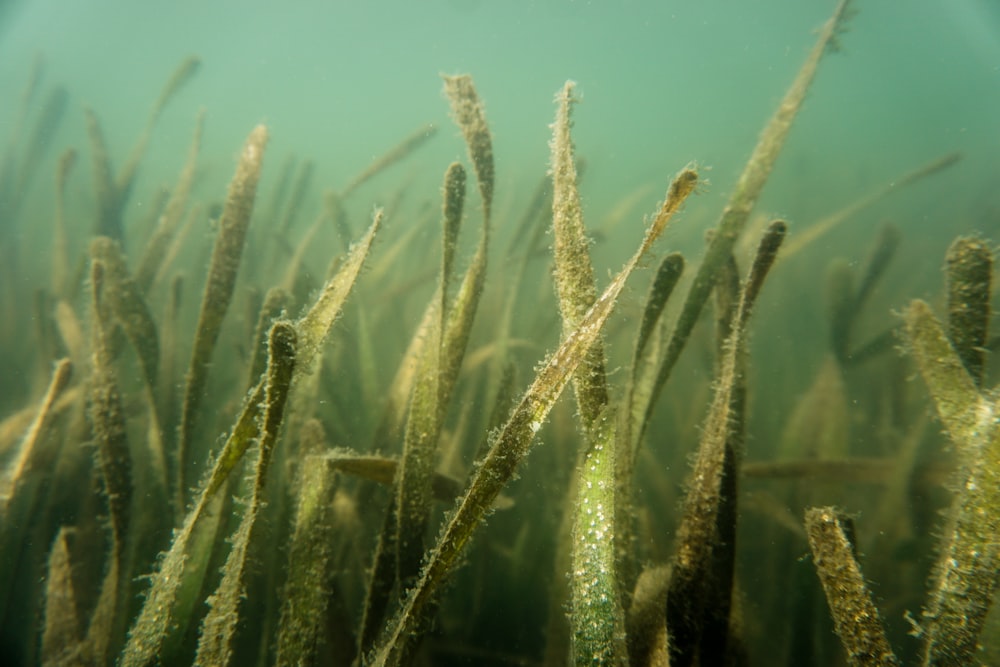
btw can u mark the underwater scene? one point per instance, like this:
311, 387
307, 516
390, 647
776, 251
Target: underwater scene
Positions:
535, 333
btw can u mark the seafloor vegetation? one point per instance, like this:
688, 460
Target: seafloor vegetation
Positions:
223, 454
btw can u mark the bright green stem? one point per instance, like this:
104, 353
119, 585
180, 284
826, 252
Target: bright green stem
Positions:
597, 618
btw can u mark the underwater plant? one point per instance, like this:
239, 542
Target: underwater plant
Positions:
370, 499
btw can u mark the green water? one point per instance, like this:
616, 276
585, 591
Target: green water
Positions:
661, 85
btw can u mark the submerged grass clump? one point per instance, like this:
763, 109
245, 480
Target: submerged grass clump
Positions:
390, 389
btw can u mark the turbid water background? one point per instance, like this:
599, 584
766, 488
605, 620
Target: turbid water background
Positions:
661, 84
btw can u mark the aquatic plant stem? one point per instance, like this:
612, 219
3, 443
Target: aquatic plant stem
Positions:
596, 613
704, 550
513, 442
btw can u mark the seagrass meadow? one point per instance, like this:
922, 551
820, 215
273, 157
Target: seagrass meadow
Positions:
445, 404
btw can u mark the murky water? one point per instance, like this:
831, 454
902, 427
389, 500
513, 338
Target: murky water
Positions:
905, 88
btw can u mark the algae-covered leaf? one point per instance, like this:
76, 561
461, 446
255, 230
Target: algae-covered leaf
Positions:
967, 573
470, 116
219, 286
970, 273
114, 463
275, 302
314, 326
952, 388
307, 591
451, 219
125, 300
667, 275
128, 305
574, 274
108, 417
855, 616
27, 450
